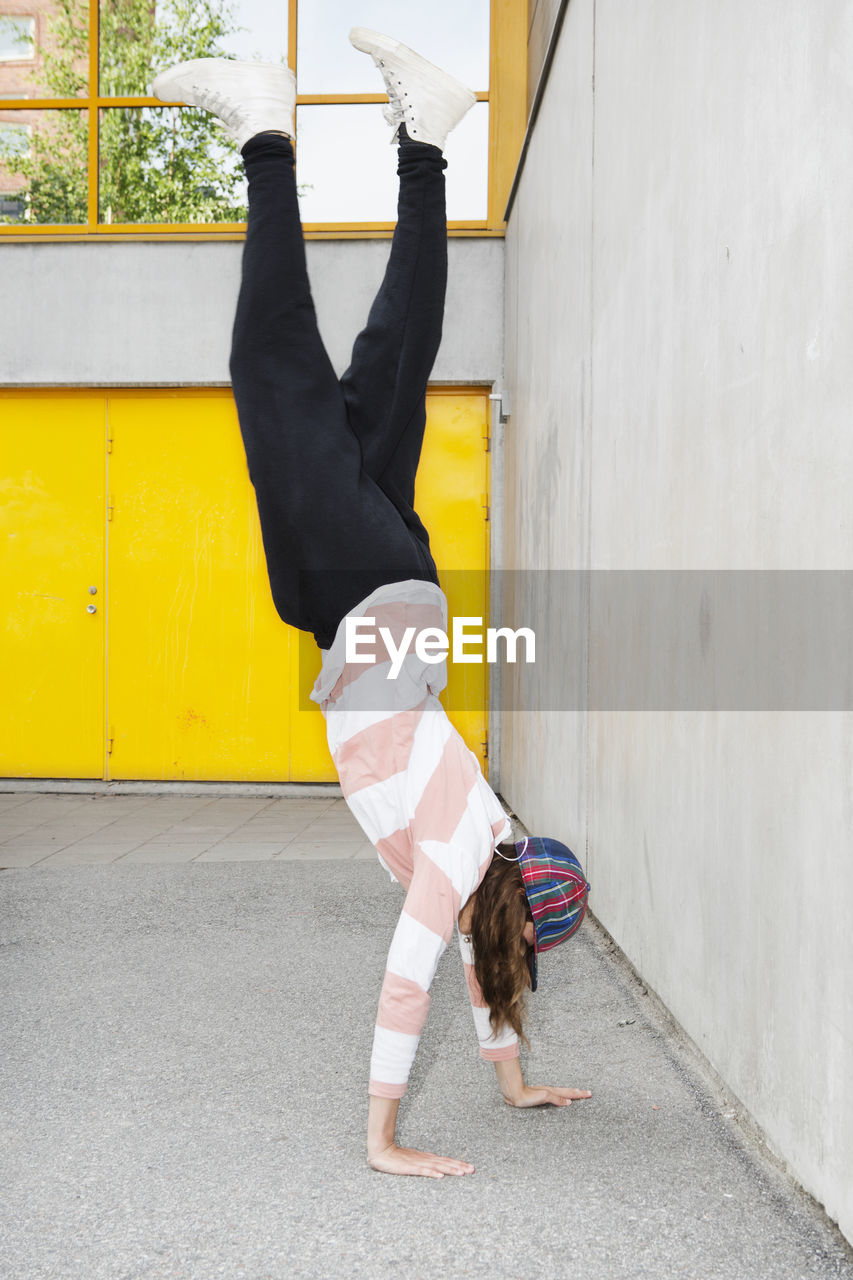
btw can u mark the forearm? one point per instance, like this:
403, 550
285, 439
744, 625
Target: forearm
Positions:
381, 1124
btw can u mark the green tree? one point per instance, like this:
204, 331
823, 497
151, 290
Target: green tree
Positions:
158, 165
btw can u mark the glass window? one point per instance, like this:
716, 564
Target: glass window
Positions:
14, 140
43, 165
167, 164
57, 62
345, 168
138, 39
452, 34
13, 207
17, 38
259, 31
347, 171
175, 168
127, 52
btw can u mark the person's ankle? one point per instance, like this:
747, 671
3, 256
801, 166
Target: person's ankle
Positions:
403, 140
266, 135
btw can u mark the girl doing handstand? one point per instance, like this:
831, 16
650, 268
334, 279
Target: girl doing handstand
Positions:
333, 464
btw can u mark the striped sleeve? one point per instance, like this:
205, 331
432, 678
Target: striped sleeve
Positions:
403, 1005
440, 883
494, 1048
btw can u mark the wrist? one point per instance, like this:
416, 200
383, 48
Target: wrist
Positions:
381, 1124
377, 1149
510, 1080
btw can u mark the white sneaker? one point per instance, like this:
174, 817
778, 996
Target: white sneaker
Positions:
248, 97
427, 100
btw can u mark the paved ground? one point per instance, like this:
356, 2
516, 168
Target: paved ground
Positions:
66, 830
187, 1014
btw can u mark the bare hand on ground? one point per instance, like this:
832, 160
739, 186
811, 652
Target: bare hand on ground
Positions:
540, 1095
424, 1164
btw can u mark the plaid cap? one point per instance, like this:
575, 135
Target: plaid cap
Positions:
556, 889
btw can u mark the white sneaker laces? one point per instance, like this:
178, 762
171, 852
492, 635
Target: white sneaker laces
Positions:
219, 103
395, 111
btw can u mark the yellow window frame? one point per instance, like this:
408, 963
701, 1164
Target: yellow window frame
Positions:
507, 114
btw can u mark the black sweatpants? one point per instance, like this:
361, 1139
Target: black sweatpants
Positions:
333, 462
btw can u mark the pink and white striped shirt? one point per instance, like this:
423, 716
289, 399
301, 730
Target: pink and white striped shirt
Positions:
420, 797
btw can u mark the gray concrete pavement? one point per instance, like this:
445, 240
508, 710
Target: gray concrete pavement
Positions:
78, 830
184, 1072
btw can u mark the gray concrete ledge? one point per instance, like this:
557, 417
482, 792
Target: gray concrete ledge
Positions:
148, 314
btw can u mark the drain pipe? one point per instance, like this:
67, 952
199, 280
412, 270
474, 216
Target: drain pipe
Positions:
499, 406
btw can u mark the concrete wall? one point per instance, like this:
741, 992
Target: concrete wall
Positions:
147, 314
679, 328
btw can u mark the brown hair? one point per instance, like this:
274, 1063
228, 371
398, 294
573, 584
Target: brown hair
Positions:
500, 912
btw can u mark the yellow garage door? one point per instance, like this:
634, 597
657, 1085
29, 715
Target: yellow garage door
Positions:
176, 666
52, 562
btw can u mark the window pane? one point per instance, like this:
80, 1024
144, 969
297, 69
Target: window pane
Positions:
13, 207
347, 172
262, 30
43, 166
17, 38
451, 34
45, 52
168, 164
138, 38
14, 138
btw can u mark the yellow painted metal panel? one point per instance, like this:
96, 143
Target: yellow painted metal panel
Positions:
508, 115
453, 481
199, 659
204, 680
52, 539
310, 759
